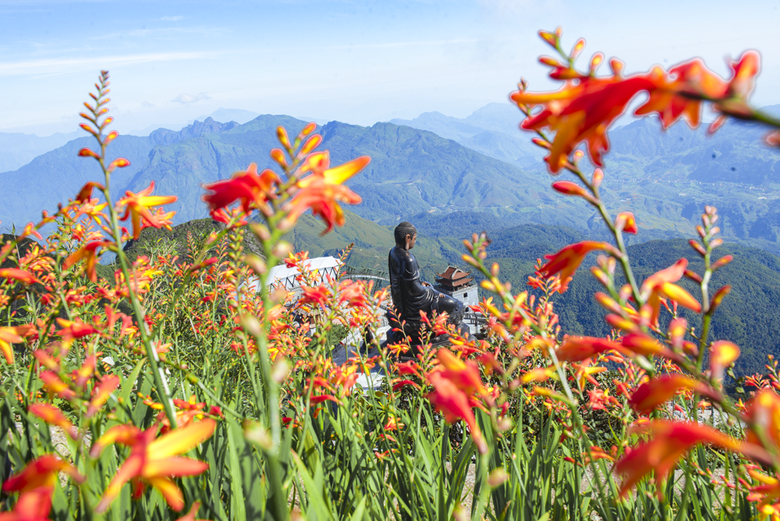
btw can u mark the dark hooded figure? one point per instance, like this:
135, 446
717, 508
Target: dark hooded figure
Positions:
410, 294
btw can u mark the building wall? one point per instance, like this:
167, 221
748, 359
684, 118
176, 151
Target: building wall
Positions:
467, 295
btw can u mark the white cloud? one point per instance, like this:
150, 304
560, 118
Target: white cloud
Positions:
186, 99
171, 18
35, 67
147, 105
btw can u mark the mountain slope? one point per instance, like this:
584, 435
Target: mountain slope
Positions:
411, 171
56, 176
664, 177
16, 150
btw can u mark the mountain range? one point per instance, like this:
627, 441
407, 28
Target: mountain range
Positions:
440, 167
411, 172
450, 188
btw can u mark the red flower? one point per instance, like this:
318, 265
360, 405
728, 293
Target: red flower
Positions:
247, 186
34, 505
583, 111
72, 330
40, 472
137, 208
464, 374
569, 259
454, 404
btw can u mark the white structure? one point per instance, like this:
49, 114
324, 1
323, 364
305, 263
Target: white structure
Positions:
458, 284
321, 267
284, 277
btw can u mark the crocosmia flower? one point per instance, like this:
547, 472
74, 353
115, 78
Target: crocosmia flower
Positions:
154, 461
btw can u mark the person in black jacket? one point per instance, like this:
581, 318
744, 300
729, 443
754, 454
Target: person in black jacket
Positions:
410, 294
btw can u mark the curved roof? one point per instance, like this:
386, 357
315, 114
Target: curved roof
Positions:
286, 276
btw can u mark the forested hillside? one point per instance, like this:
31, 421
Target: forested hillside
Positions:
747, 317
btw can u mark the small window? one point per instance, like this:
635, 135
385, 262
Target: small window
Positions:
465, 296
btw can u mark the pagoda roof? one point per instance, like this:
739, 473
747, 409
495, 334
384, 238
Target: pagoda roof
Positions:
453, 273
454, 277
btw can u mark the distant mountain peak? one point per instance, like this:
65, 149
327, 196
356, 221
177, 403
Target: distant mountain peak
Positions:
163, 136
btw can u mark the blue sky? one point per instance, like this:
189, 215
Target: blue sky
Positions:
355, 61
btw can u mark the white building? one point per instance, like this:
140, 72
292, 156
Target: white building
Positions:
458, 284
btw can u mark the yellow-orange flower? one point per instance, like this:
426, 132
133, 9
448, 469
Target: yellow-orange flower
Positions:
53, 416
8, 336
40, 472
137, 208
322, 190
722, 354
660, 285
154, 461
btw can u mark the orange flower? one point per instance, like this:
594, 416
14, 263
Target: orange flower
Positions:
626, 222
54, 385
137, 208
645, 345
659, 285
569, 259
583, 111
245, 186
8, 336
40, 472
154, 461
89, 253
53, 416
722, 355
319, 296
651, 394
101, 394
578, 348
186, 413
585, 372
352, 294
15, 273
669, 441
745, 71
72, 330
454, 404
464, 374
34, 505
191, 514
323, 189
764, 411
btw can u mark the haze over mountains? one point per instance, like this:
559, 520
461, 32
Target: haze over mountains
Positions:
438, 164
